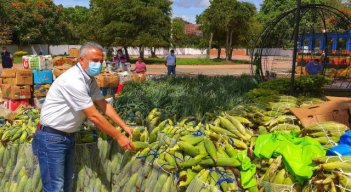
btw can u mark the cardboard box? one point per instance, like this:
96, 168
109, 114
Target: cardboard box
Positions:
107, 80
41, 90
8, 73
14, 104
25, 61
42, 77
331, 98
71, 60
46, 62
15, 92
138, 77
335, 110
18, 77
58, 70
24, 77
58, 61
74, 52
35, 62
10, 81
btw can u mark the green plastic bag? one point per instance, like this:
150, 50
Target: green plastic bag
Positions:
297, 152
247, 171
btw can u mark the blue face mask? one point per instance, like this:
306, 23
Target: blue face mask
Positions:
94, 68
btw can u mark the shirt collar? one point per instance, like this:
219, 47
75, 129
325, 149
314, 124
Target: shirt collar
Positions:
85, 75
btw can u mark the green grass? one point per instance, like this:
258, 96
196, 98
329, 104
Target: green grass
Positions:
193, 61
16, 60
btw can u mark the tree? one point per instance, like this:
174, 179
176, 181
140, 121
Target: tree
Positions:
311, 21
220, 23
135, 23
35, 21
5, 29
77, 19
178, 35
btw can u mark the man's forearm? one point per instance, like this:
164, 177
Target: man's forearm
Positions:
101, 122
111, 112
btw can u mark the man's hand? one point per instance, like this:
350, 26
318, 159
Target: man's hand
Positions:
129, 130
125, 142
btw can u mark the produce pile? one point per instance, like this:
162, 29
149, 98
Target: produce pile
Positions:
235, 147
22, 127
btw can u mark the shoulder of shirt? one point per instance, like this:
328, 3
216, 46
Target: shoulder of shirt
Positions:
70, 76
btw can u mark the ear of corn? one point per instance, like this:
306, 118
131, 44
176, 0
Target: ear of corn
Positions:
188, 149
344, 166
222, 131
140, 145
345, 181
231, 152
211, 149
189, 177
192, 140
279, 177
237, 124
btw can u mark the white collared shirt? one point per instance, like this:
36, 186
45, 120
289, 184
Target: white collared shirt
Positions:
70, 93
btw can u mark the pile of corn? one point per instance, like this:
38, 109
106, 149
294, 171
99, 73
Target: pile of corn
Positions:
186, 149
273, 176
22, 127
326, 133
19, 170
332, 174
185, 155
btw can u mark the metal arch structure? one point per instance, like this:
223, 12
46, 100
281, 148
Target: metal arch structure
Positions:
264, 38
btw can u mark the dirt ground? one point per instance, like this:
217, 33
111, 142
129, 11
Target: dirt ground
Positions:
226, 69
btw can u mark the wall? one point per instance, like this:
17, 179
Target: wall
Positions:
62, 49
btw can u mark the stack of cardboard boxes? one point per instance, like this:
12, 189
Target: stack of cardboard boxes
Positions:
16, 87
42, 82
108, 83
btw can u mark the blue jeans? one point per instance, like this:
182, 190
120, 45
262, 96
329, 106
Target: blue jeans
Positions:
171, 69
56, 160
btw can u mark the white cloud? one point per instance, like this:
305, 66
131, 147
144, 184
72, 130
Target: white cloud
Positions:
192, 3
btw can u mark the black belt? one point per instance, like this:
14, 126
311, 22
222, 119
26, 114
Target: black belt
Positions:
55, 131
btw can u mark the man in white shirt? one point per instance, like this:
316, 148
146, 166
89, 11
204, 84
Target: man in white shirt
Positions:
171, 63
68, 103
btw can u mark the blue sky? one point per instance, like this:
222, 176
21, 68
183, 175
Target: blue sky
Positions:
187, 9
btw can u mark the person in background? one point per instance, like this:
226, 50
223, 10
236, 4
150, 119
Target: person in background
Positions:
171, 63
6, 58
314, 67
119, 59
140, 66
71, 99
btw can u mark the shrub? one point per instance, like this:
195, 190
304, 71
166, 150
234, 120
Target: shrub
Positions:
20, 53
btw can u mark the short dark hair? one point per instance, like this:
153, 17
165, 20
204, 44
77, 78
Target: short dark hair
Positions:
172, 51
317, 60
